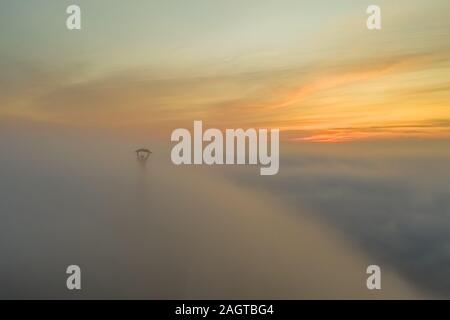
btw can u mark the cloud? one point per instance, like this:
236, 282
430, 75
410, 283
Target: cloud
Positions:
146, 233
337, 101
391, 199
428, 128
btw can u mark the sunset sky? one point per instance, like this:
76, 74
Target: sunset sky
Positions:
311, 69
363, 164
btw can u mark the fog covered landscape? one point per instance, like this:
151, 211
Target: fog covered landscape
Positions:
362, 115
144, 232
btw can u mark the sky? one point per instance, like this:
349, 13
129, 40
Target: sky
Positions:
311, 69
364, 118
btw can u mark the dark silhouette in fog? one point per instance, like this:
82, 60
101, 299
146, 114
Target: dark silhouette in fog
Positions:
143, 155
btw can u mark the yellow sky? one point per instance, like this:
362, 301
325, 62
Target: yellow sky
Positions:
311, 69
